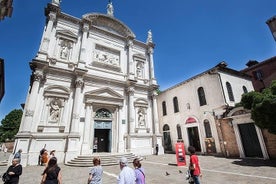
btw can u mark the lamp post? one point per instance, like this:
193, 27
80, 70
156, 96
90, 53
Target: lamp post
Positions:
272, 26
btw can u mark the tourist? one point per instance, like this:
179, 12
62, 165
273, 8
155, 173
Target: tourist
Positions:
44, 157
96, 172
18, 155
139, 172
156, 149
194, 165
14, 171
52, 154
52, 173
40, 156
127, 174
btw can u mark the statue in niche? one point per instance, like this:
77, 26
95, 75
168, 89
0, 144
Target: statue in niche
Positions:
54, 111
141, 118
139, 70
65, 50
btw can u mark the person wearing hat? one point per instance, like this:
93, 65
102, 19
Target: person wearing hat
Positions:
127, 174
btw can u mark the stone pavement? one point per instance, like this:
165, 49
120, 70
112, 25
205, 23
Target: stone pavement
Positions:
214, 169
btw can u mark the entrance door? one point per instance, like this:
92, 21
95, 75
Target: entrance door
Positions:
193, 137
250, 141
103, 142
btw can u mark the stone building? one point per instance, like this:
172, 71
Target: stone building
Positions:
92, 89
200, 112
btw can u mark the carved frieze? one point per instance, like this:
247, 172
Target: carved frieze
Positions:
106, 58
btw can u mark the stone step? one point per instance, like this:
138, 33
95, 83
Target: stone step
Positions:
4, 163
107, 159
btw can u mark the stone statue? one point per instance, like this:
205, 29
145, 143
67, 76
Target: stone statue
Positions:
54, 110
56, 2
110, 9
149, 39
141, 118
64, 52
139, 71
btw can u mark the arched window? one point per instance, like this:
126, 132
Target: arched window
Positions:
201, 96
244, 89
230, 92
175, 104
167, 138
179, 133
207, 127
164, 108
103, 114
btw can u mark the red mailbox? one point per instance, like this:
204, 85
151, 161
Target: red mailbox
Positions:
180, 154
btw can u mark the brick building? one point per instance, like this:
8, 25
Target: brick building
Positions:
262, 73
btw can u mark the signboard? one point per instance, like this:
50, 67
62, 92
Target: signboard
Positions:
180, 154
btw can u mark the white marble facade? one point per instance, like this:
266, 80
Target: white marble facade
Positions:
93, 89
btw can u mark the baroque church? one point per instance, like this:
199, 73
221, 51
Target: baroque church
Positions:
92, 89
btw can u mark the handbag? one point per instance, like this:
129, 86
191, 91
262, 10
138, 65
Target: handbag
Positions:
5, 177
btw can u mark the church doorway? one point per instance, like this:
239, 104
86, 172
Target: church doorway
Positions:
102, 136
102, 140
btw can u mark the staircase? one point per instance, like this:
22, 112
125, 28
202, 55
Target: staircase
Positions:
107, 159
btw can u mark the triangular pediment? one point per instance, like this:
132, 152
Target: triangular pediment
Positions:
67, 33
141, 102
104, 92
57, 91
104, 96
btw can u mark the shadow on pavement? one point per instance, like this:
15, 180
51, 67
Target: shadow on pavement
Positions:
255, 162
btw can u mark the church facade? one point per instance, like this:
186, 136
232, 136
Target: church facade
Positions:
92, 89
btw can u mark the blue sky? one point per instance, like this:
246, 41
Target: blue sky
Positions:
190, 36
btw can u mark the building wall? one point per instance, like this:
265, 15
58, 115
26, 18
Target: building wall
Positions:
88, 79
270, 142
213, 82
266, 69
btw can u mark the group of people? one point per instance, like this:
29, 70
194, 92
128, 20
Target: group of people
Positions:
50, 175
126, 176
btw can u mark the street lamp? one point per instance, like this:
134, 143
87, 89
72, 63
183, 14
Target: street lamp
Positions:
272, 26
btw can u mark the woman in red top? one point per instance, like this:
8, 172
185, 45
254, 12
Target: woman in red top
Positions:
194, 165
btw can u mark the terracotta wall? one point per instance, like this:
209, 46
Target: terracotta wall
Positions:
270, 142
227, 138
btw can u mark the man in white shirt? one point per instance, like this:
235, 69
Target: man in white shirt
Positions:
127, 174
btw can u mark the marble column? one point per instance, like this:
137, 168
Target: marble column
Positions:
47, 34
30, 107
85, 30
152, 75
87, 131
131, 70
155, 113
131, 110
76, 110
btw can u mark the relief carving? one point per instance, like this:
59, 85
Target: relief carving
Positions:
106, 57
